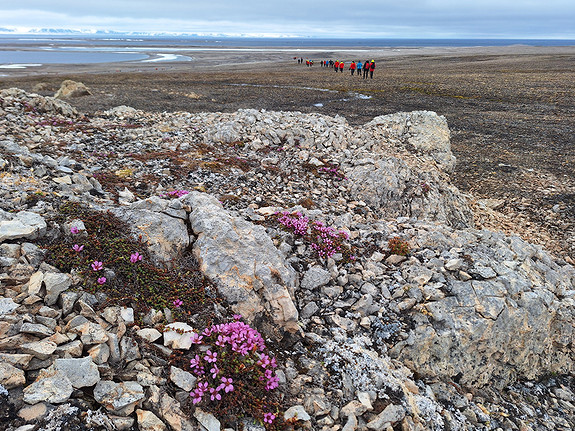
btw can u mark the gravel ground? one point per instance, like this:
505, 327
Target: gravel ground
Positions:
511, 113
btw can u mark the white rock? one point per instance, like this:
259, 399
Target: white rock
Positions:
81, 372
51, 386
176, 340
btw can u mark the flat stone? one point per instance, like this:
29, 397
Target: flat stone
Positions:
36, 329
298, 412
33, 413
72, 349
99, 353
55, 283
51, 386
10, 376
149, 334
81, 372
207, 420
182, 379
118, 398
391, 414
315, 277
92, 333
40, 349
7, 306
176, 340
147, 421
20, 360
172, 414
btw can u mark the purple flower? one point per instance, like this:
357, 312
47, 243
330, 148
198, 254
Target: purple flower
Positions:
215, 395
97, 266
196, 339
77, 248
214, 370
135, 257
269, 417
237, 317
178, 303
211, 356
195, 362
101, 280
196, 397
74, 230
227, 382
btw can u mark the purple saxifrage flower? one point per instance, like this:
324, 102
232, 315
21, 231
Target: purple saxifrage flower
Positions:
101, 280
135, 257
97, 266
77, 248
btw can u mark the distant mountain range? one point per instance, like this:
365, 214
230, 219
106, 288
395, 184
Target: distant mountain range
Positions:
67, 31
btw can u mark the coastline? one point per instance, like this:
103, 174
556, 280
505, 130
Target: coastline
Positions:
510, 110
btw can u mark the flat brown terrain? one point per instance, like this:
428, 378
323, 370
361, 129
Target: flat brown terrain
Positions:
511, 113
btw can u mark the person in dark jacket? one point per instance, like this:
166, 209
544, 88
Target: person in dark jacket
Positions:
365, 69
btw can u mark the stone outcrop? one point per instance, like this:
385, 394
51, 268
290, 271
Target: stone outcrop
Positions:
462, 333
242, 260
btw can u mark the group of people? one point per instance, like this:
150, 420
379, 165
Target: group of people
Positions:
364, 69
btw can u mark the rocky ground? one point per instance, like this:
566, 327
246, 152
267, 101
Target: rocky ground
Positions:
510, 112
409, 317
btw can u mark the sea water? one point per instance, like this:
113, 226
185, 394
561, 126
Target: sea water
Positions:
20, 50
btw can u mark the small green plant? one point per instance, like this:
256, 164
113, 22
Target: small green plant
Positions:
108, 259
398, 246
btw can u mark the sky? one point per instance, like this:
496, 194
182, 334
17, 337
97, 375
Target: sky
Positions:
525, 19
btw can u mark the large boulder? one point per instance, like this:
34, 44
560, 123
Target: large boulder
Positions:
507, 312
394, 189
69, 89
162, 227
425, 131
243, 262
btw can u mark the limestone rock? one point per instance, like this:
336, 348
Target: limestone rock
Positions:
81, 372
51, 386
182, 379
315, 277
10, 376
242, 260
177, 335
55, 283
207, 420
148, 421
7, 306
166, 237
24, 224
118, 398
40, 349
172, 414
69, 89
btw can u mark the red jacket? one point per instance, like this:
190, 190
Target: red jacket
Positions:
341, 65
353, 66
371, 66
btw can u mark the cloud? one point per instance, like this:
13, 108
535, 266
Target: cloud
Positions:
376, 18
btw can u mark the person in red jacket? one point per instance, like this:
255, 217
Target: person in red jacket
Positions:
352, 67
336, 65
371, 68
341, 65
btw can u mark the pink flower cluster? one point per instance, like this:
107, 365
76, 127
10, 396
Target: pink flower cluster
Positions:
333, 170
325, 240
135, 257
296, 222
234, 349
175, 194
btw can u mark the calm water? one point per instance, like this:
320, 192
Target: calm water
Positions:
78, 49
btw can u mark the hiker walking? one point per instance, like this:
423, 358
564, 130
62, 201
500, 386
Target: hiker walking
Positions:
336, 65
365, 69
352, 67
341, 65
371, 69
359, 66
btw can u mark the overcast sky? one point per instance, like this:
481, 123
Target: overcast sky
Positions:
321, 18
